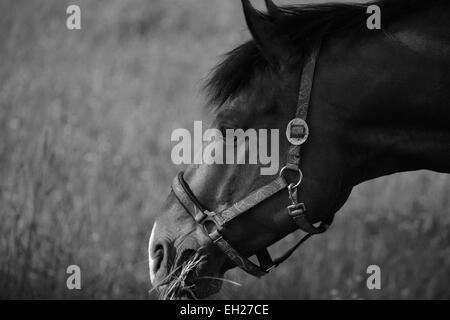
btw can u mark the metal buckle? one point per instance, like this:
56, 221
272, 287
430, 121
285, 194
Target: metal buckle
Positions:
296, 209
211, 225
297, 131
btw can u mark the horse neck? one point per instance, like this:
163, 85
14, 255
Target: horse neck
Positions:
398, 118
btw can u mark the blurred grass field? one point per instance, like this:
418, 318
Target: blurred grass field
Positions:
86, 118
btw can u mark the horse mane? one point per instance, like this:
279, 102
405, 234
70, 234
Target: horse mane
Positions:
298, 23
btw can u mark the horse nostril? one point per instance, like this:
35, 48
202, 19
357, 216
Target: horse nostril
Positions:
158, 255
158, 251
159, 265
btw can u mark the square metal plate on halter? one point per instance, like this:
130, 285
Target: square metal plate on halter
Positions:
297, 131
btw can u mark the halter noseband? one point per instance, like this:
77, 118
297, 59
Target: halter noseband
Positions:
213, 222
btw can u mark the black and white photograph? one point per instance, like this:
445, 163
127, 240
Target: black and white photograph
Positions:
226, 154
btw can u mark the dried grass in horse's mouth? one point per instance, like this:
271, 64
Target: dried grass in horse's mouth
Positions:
175, 283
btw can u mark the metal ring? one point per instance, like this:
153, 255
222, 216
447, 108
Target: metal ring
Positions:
300, 176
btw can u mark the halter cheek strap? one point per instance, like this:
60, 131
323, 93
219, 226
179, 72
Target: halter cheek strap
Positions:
297, 133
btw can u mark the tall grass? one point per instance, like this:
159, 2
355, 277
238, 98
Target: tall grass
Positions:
86, 118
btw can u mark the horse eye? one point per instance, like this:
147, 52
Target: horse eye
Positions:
224, 126
222, 130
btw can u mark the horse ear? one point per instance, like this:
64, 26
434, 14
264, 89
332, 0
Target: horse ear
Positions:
262, 29
272, 9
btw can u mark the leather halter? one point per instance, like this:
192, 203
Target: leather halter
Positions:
214, 222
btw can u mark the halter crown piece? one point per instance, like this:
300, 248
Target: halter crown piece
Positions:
297, 133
